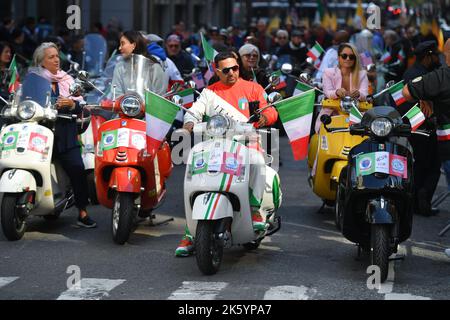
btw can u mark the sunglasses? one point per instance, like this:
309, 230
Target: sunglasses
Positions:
173, 46
348, 56
227, 70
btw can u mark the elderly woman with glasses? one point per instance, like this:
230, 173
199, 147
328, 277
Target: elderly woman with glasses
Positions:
66, 149
251, 71
347, 79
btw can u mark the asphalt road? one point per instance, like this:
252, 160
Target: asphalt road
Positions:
306, 259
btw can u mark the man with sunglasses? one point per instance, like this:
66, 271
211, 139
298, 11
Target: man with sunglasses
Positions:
235, 96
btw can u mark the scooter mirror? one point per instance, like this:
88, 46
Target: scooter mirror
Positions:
390, 84
188, 50
274, 80
192, 84
175, 87
274, 97
83, 75
75, 89
305, 77
325, 119
177, 100
309, 60
371, 67
286, 68
266, 57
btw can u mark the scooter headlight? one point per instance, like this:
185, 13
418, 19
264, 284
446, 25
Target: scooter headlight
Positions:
217, 126
26, 110
381, 127
131, 106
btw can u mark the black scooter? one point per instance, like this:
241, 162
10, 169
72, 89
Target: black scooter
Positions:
375, 191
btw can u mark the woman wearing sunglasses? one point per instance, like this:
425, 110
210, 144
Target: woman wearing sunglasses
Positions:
347, 79
251, 71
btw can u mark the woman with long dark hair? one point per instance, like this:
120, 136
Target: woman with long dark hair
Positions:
133, 42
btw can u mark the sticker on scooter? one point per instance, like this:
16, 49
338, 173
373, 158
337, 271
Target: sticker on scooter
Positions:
109, 140
10, 141
199, 162
231, 164
38, 142
381, 162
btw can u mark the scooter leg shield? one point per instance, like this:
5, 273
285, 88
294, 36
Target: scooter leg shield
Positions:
212, 206
126, 179
16, 181
378, 213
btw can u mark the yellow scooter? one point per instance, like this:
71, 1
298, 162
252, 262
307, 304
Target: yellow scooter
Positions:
328, 150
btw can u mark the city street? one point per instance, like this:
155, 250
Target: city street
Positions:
307, 259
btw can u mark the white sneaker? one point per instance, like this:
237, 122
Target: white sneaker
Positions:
447, 252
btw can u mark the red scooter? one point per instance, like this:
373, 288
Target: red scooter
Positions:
129, 180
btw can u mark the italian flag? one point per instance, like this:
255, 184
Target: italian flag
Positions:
188, 97
283, 83
300, 88
416, 117
14, 82
396, 93
443, 133
355, 115
315, 51
386, 57
208, 50
159, 115
296, 115
401, 55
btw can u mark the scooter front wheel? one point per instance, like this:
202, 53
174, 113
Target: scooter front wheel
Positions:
13, 224
209, 252
122, 217
380, 249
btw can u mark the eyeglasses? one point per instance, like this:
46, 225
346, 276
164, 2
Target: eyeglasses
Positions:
351, 57
173, 45
251, 56
282, 37
227, 70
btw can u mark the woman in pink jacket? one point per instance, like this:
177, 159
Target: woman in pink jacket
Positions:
347, 79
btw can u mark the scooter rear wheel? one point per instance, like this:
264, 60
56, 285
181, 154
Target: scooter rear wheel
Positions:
13, 225
380, 252
209, 252
122, 217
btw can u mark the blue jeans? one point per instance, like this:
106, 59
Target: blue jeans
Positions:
446, 166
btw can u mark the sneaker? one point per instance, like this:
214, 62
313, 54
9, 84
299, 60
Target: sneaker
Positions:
447, 252
258, 222
86, 222
185, 248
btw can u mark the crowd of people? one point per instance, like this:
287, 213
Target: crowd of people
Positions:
346, 69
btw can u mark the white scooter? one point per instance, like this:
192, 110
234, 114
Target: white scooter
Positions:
217, 189
31, 183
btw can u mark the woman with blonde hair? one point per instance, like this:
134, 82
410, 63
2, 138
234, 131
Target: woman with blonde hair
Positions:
347, 79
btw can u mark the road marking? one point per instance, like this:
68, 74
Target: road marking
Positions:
404, 296
193, 290
4, 281
91, 289
290, 293
312, 228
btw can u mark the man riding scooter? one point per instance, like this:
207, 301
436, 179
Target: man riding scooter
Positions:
236, 96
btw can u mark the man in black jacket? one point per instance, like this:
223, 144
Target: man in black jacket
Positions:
181, 58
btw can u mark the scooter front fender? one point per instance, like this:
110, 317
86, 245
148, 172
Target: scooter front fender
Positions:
378, 213
212, 206
337, 169
126, 179
17, 181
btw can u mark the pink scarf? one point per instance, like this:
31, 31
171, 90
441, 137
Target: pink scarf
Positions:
63, 79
